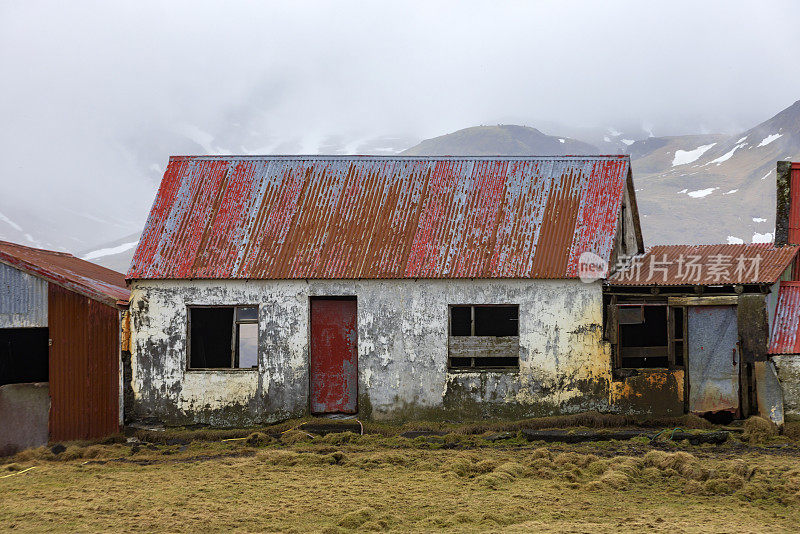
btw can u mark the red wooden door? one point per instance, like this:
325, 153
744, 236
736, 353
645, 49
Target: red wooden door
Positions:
334, 359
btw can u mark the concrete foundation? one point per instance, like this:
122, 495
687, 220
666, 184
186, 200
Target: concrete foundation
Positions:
788, 369
24, 416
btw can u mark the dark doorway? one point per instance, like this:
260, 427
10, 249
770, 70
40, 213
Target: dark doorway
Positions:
334, 358
24, 355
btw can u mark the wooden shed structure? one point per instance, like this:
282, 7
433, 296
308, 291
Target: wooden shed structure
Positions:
60, 356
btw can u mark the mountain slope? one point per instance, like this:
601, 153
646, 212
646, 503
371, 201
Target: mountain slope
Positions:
690, 189
713, 189
115, 255
506, 140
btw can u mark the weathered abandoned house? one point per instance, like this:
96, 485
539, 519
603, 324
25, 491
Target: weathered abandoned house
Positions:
454, 287
392, 287
59, 347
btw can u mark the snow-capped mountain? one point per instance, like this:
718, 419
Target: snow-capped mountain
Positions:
713, 188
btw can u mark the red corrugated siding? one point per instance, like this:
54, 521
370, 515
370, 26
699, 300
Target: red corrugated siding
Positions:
771, 266
380, 217
784, 338
84, 368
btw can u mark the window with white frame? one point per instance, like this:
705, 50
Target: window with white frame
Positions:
223, 337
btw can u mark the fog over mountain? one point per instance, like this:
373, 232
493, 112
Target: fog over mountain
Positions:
96, 96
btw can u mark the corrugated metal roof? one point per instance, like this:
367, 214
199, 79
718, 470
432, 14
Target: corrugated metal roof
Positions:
67, 271
784, 338
289, 217
671, 265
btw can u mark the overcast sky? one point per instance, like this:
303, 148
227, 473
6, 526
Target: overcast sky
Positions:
95, 95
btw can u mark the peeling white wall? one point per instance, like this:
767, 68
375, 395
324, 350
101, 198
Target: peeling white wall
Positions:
402, 350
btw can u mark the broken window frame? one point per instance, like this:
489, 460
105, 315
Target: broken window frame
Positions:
677, 346
235, 343
477, 343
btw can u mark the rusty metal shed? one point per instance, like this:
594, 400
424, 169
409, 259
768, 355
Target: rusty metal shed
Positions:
362, 217
74, 308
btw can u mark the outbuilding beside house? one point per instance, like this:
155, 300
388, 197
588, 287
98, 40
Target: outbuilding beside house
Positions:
693, 321
60, 357
389, 287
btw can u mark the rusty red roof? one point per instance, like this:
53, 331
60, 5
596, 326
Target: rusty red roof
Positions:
672, 265
66, 270
785, 326
290, 217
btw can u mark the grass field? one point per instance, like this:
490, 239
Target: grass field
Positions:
459, 483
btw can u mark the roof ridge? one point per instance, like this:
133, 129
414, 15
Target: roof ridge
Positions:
36, 249
395, 156
684, 245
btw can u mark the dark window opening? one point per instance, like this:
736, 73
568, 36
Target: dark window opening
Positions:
497, 361
643, 336
484, 337
223, 337
495, 321
24, 355
461, 321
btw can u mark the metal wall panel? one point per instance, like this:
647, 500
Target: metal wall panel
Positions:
713, 359
23, 299
334, 356
84, 366
295, 217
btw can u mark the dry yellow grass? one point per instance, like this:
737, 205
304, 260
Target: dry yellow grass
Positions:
343, 483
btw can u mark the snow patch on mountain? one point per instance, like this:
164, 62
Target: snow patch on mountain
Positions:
762, 238
732, 191
700, 193
628, 142
726, 156
109, 251
733, 240
11, 223
759, 219
682, 157
768, 139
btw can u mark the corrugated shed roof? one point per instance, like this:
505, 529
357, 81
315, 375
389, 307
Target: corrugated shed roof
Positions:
671, 265
67, 271
784, 338
290, 217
